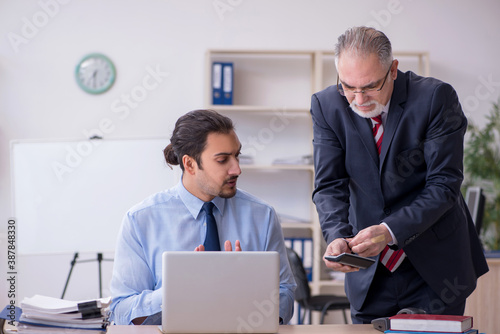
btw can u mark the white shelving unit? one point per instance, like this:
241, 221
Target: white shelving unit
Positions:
271, 101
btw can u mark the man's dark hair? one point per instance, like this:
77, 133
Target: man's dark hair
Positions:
190, 135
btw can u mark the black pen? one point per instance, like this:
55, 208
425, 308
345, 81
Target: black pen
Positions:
347, 242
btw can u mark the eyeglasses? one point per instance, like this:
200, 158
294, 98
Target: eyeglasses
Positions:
366, 91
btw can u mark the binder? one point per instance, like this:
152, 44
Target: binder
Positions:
222, 83
217, 97
304, 249
227, 83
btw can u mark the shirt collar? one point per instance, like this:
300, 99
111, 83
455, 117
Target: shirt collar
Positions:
194, 204
386, 107
385, 111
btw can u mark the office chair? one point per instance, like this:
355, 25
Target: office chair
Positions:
321, 303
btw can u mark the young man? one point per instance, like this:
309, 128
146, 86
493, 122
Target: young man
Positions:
206, 147
388, 155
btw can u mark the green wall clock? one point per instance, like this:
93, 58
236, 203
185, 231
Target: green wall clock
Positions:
95, 73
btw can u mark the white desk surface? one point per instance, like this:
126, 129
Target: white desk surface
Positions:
285, 329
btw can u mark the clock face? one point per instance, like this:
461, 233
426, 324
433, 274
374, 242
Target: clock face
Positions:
95, 73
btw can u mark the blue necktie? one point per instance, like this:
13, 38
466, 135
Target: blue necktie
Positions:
212, 239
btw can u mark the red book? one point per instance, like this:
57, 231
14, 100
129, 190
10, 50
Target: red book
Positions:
431, 323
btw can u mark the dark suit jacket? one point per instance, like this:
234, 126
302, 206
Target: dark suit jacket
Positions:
414, 188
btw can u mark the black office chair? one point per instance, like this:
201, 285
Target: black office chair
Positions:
321, 303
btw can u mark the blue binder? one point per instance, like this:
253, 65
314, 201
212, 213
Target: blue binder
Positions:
217, 97
222, 83
304, 249
227, 83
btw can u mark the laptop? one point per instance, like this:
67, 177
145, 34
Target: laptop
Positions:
220, 292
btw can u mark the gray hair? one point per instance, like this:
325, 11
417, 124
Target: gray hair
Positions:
364, 41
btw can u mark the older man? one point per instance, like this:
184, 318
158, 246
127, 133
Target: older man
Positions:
388, 151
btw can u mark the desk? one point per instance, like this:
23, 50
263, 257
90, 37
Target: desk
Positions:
286, 329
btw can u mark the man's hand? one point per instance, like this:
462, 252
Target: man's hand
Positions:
336, 247
228, 247
370, 241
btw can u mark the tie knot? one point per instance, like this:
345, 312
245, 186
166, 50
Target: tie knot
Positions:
208, 207
377, 119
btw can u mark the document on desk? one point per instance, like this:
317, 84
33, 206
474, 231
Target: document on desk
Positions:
55, 305
58, 314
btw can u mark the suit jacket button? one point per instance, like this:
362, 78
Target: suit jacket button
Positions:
387, 211
410, 239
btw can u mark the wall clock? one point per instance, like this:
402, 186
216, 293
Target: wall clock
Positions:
95, 73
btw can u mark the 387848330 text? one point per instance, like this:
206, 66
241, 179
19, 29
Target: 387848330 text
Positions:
11, 269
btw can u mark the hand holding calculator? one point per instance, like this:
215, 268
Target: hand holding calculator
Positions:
352, 260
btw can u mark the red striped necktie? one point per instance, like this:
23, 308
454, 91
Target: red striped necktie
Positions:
391, 259
378, 131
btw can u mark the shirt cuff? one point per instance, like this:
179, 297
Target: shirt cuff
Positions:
394, 240
156, 298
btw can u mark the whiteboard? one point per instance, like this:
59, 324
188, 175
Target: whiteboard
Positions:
71, 196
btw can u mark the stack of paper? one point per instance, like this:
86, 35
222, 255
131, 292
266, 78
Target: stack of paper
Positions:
297, 160
52, 315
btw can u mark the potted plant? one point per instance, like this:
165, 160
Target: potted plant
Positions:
482, 168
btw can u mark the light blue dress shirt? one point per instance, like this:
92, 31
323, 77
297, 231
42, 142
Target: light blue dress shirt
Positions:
172, 220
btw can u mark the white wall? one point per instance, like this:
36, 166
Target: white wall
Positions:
40, 99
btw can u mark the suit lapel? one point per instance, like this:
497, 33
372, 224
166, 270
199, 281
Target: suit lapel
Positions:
364, 129
396, 109
364, 126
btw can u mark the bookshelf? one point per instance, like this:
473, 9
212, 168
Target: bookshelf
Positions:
271, 100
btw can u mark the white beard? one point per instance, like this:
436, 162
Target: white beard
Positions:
367, 114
